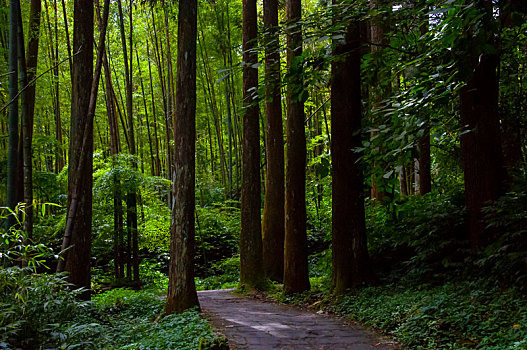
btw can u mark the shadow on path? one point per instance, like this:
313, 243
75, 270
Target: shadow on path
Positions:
254, 324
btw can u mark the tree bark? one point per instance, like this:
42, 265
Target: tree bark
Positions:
482, 157
181, 287
27, 118
296, 277
80, 181
251, 269
12, 154
76, 243
273, 214
378, 27
423, 146
349, 249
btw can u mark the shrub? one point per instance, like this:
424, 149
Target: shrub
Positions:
33, 307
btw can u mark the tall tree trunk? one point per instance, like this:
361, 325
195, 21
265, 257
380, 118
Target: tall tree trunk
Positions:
150, 145
12, 154
349, 249
251, 269
131, 197
22, 82
115, 147
481, 148
80, 181
378, 28
76, 243
27, 118
423, 147
273, 215
171, 100
157, 162
296, 277
59, 162
66, 29
181, 287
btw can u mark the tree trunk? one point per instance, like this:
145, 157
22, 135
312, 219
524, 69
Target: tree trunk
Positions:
76, 243
80, 181
181, 287
157, 162
378, 27
349, 249
12, 154
423, 146
115, 147
481, 148
251, 269
273, 214
296, 276
131, 197
27, 118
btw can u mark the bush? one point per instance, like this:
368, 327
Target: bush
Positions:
422, 238
34, 307
217, 231
506, 256
226, 274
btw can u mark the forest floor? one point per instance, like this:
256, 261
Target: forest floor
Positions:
253, 323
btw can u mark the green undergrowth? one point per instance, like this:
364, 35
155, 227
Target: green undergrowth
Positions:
39, 312
456, 315
224, 274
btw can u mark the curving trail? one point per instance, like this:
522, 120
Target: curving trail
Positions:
250, 323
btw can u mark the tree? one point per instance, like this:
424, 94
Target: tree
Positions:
76, 243
423, 144
80, 180
12, 153
131, 196
480, 146
296, 277
349, 249
251, 269
181, 287
273, 214
28, 116
379, 25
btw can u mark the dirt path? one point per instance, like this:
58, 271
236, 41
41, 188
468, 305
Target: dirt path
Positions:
250, 323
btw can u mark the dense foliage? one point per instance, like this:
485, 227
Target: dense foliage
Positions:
437, 283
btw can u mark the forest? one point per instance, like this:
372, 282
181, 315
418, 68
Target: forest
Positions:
362, 158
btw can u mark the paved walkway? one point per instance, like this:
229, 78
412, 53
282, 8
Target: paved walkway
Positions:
249, 323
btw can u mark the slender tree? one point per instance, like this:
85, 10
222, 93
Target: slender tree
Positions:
181, 287
349, 250
296, 277
423, 144
131, 196
251, 269
12, 153
273, 214
379, 25
27, 118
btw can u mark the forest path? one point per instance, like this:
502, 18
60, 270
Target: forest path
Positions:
250, 323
